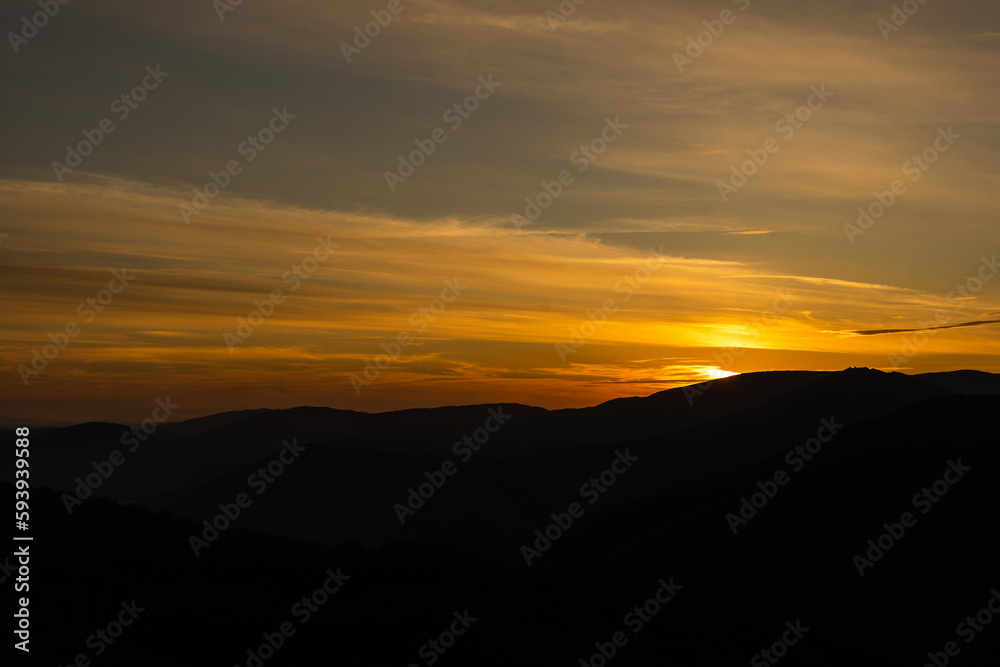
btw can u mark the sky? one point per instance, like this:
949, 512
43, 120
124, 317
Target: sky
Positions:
607, 199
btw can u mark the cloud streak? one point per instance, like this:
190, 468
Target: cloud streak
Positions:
880, 332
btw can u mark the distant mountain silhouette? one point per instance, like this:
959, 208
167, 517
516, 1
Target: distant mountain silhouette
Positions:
667, 515
965, 382
201, 425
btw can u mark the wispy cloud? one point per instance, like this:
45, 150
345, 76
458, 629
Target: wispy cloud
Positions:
879, 332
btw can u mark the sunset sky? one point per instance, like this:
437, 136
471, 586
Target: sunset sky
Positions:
767, 266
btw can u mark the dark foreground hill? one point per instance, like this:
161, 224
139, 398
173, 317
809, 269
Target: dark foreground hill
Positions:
760, 507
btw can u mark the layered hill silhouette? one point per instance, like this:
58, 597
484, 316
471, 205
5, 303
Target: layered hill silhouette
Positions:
697, 500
